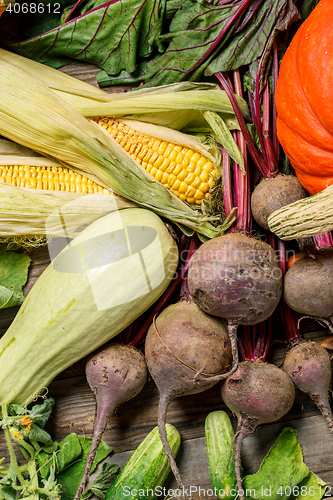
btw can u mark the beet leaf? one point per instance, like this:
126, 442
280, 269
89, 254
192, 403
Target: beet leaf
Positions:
112, 36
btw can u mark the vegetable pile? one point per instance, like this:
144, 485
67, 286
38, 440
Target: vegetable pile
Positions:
165, 209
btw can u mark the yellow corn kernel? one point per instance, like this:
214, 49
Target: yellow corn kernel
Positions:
182, 175
47, 178
153, 171
158, 175
165, 178
183, 187
190, 191
172, 179
187, 173
176, 184
189, 178
204, 186
190, 200
164, 165
204, 176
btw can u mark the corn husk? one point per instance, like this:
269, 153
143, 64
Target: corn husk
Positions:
304, 218
34, 116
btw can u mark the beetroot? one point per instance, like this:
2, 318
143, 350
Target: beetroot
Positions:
308, 285
274, 193
309, 366
187, 352
116, 373
256, 393
237, 278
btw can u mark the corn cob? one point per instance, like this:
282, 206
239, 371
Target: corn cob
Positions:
48, 178
185, 172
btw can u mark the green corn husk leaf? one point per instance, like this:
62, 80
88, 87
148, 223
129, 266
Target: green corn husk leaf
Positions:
304, 218
179, 99
36, 117
223, 135
55, 79
176, 97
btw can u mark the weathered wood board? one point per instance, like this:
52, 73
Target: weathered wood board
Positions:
75, 407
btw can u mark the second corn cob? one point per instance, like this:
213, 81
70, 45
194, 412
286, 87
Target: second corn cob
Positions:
48, 178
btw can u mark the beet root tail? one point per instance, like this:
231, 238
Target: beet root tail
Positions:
246, 426
162, 410
324, 406
99, 428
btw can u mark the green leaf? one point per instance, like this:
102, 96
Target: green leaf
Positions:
202, 38
15, 409
311, 488
281, 470
70, 478
9, 298
40, 413
68, 450
13, 275
38, 434
249, 43
135, 26
102, 482
7, 492
224, 137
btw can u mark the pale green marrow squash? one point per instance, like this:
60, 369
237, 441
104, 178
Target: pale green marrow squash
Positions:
106, 277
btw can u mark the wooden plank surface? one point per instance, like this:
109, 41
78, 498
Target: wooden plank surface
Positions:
75, 406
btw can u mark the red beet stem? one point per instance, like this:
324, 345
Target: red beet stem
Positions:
242, 181
323, 240
289, 318
227, 188
260, 164
275, 73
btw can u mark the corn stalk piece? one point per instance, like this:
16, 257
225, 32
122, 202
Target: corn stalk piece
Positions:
304, 218
34, 116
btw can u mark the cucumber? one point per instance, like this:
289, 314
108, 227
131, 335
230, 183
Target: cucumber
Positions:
219, 435
143, 476
106, 277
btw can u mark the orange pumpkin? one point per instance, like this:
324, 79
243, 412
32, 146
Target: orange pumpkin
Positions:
304, 100
2, 10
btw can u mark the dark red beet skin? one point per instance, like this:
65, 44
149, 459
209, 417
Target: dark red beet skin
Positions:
308, 285
309, 366
256, 393
237, 278
187, 351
